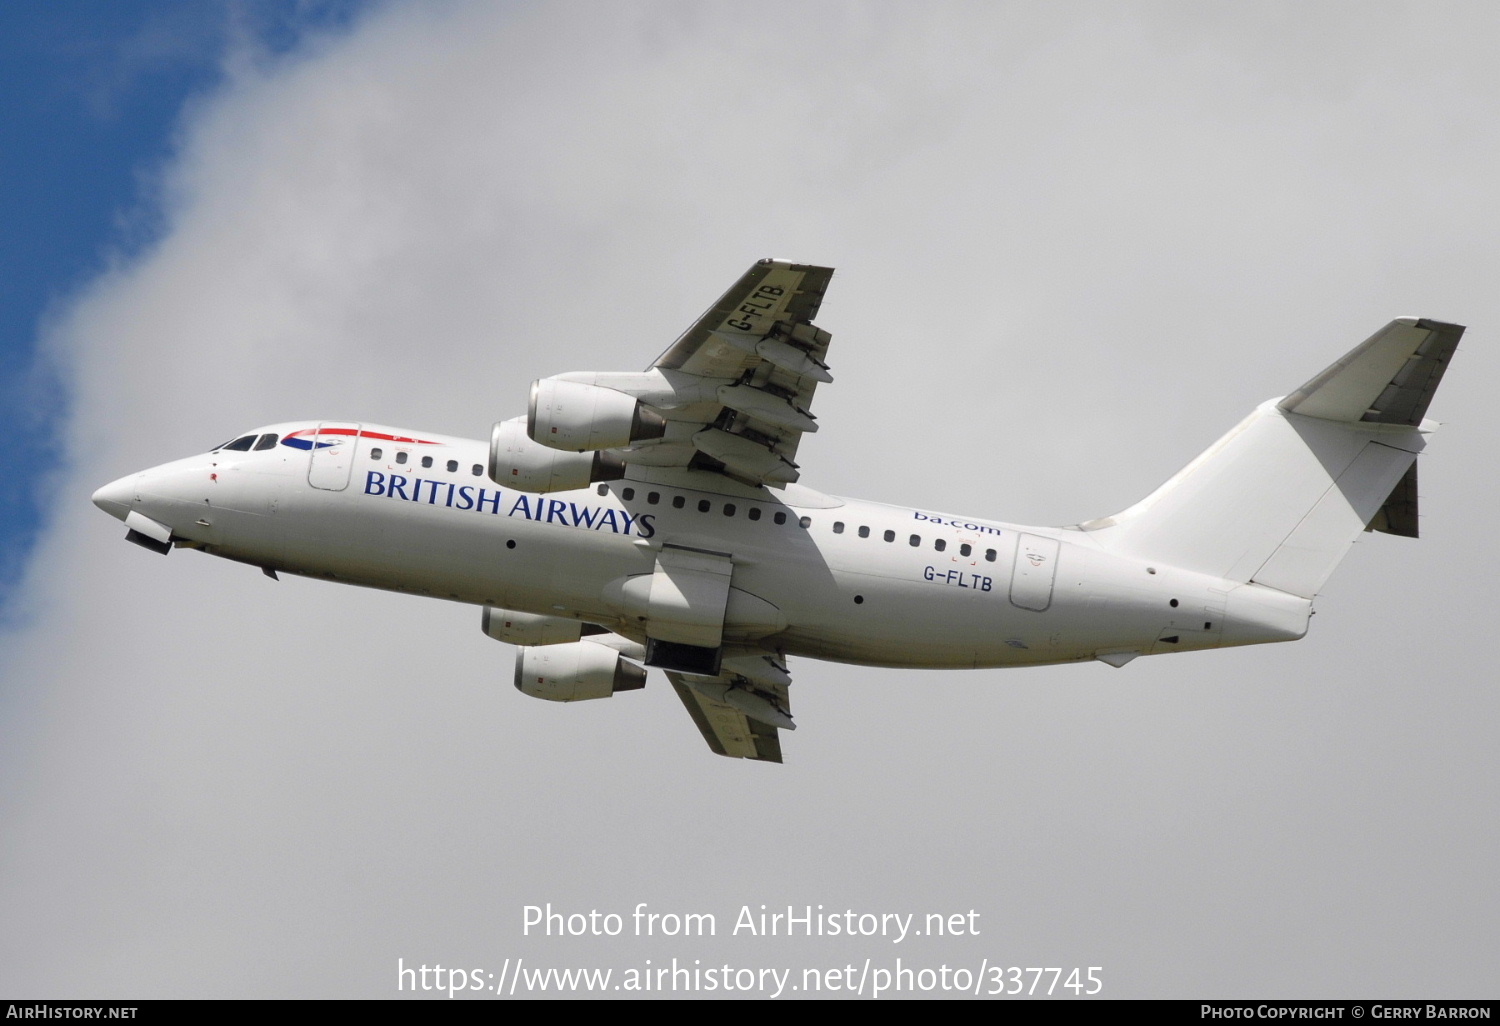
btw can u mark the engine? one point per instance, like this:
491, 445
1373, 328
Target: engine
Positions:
576, 417
520, 463
575, 672
515, 628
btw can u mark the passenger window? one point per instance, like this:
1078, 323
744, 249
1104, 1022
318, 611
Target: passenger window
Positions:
838, 527
916, 540
678, 502
804, 522
627, 494
400, 457
426, 462
603, 489
375, 454
989, 554
940, 545
729, 509
704, 505
780, 518
653, 497
477, 471
266, 442
754, 513
890, 536
864, 532
453, 466
241, 444
965, 549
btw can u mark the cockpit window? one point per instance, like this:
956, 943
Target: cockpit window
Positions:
241, 444
266, 442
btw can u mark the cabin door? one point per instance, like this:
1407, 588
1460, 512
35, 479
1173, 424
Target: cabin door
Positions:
332, 458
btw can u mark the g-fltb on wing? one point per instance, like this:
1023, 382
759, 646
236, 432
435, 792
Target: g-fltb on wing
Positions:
740, 716
734, 391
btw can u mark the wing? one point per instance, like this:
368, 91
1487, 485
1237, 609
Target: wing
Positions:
740, 716
736, 388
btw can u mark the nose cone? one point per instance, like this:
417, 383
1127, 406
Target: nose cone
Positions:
115, 498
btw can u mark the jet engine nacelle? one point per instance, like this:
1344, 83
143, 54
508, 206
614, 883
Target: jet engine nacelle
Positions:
576, 417
575, 672
515, 628
517, 461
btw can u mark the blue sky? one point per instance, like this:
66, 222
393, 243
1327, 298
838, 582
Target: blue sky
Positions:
94, 91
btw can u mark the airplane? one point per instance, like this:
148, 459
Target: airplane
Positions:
657, 520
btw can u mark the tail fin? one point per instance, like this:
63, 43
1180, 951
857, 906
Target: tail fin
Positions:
1281, 497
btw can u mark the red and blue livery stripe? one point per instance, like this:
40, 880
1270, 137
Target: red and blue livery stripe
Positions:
299, 439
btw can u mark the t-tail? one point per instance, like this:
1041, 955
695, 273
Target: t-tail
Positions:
1279, 500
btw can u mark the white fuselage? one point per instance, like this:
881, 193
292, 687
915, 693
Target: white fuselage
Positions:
849, 580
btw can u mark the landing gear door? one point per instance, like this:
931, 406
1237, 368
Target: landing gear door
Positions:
332, 457
1036, 566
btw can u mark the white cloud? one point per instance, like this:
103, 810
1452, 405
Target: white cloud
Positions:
1072, 248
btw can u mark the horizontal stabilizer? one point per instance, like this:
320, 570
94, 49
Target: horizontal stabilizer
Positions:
1280, 498
1387, 379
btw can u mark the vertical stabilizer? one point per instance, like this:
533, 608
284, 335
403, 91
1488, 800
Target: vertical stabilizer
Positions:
1281, 497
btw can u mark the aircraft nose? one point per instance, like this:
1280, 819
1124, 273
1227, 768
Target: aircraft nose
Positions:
115, 498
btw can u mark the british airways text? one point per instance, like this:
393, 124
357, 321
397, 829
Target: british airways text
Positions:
537, 508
